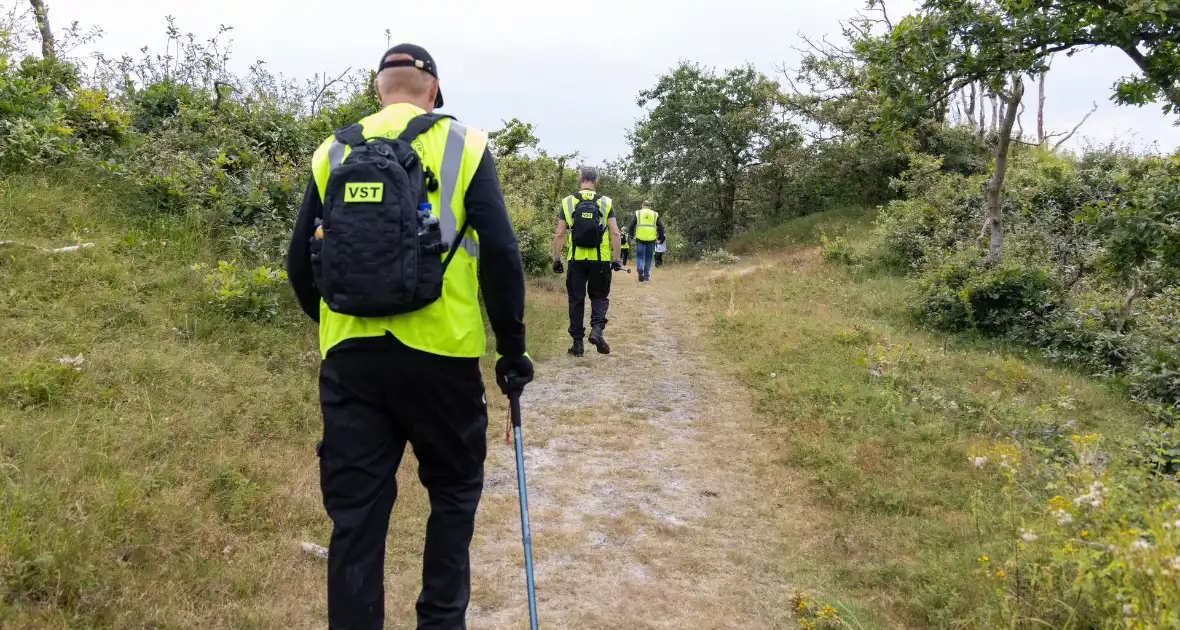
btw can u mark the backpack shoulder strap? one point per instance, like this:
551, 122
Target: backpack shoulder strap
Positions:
352, 135
419, 124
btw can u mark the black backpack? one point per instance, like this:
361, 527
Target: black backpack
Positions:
588, 226
379, 255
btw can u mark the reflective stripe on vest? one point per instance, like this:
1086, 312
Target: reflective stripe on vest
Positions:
586, 253
646, 228
452, 325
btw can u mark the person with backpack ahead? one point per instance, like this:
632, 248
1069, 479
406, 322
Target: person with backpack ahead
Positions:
587, 229
646, 229
402, 222
625, 247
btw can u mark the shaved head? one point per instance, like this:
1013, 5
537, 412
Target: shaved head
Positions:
406, 85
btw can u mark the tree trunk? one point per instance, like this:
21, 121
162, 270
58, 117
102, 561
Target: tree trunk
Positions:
969, 108
993, 222
41, 13
557, 184
728, 200
982, 115
1041, 109
995, 113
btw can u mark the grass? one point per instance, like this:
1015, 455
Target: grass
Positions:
880, 417
168, 479
851, 221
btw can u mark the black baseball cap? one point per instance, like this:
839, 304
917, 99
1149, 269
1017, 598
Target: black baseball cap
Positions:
419, 59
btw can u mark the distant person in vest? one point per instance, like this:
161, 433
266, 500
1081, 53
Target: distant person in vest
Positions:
646, 229
626, 247
661, 249
587, 230
401, 333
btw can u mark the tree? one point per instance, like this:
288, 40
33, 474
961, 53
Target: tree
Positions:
996, 41
1031, 31
514, 136
704, 131
993, 220
41, 13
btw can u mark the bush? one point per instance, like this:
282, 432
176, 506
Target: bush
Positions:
941, 211
1085, 339
718, 257
964, 294
253, 295
837, 250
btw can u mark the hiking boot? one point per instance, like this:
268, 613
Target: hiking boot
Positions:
577, 350
598, 341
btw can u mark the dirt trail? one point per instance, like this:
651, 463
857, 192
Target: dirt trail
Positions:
654, 500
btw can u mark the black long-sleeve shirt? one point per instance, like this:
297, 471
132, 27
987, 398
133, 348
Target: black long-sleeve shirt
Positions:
501, 273
635, 221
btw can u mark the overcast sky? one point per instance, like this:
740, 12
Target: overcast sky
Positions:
571, 68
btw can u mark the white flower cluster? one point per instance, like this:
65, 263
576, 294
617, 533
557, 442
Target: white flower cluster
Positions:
1093, 498
74, 363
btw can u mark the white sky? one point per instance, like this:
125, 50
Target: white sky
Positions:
573, 69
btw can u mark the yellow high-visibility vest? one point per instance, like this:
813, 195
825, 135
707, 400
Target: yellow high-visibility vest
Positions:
605, 206
452, 325
646, 221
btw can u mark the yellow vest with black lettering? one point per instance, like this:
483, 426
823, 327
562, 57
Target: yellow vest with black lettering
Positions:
452, 325
605, 205
646, 229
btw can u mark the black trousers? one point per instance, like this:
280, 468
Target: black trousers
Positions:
659, 259
580, 277
626, 254
377, 395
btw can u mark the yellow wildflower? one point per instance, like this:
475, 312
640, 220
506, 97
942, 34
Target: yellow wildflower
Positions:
982, 559
1000, 573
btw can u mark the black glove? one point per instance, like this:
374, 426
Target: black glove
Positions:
616, 265
513, 373
557, 266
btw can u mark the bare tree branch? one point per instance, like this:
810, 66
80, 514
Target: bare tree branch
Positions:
327, 84
1076, 127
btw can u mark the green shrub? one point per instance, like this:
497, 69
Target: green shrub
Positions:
965, 294
1084, 339
244, 294
941, 211
718, 257
42, 385
837, 250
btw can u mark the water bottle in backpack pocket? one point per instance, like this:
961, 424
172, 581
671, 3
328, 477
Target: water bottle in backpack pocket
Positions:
381, 251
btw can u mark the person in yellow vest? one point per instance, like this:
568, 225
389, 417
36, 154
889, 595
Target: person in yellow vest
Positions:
646, 229
402, 222
587, 230
625, 246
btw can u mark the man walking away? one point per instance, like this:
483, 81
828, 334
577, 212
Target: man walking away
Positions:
402, 221
625, 245
646, 229
661, 247
586, 227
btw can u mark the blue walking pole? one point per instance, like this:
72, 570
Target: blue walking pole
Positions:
526, 535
